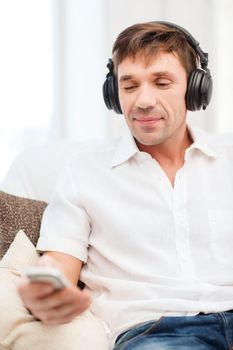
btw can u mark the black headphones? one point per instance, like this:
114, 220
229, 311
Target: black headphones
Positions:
199, 87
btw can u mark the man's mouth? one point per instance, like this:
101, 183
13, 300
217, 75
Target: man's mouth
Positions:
147, 120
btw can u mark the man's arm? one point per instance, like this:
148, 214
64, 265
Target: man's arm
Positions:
55, 307
68, 264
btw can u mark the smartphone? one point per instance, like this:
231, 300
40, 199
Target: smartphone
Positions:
46, 274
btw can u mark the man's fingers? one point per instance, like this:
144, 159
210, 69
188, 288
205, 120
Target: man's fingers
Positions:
53, 307
74, 297
34, 290
62, 314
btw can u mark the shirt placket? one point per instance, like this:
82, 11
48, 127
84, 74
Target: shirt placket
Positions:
181, 225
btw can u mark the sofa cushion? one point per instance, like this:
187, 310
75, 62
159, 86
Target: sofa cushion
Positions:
19, 330
18, 213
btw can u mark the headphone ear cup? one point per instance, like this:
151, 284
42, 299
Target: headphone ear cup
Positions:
199, 90
110, 93
206, 89
193, 90
106, 93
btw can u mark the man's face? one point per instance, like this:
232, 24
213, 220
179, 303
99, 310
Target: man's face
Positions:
152, 97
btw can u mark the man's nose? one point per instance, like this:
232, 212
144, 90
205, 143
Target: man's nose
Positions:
146, 97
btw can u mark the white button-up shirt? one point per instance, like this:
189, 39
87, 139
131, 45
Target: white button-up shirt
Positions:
150, 249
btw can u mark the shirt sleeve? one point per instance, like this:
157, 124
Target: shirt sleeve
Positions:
65, 224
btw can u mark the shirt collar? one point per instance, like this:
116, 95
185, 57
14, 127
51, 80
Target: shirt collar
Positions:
126, 147
203, 142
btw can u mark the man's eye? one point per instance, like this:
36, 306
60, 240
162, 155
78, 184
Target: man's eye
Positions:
163, 83
129, 88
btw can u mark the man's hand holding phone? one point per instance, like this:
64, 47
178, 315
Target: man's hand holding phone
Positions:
47, 274
49, 295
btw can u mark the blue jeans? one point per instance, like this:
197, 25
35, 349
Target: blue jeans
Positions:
201, 332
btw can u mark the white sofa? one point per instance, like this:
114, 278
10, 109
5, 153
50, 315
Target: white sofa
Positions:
33, 173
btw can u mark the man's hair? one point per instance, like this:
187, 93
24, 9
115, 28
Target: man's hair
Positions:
149, 39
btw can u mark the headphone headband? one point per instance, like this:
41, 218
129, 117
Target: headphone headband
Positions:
192, 41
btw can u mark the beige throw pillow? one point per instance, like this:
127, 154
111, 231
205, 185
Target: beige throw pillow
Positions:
19, 330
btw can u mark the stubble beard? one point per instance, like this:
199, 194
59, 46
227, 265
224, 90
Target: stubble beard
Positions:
148, 137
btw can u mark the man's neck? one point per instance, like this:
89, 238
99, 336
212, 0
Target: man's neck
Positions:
170, 154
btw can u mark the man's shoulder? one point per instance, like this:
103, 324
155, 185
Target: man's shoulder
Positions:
222, 145
220, 139
216, 139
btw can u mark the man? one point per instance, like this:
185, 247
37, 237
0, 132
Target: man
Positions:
146, 223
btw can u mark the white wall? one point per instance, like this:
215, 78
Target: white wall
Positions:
25, 76
79, 110
223, 58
